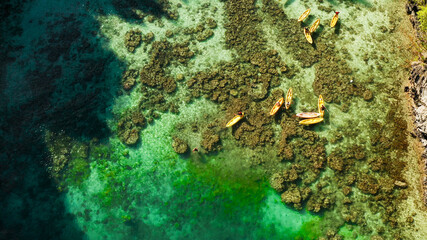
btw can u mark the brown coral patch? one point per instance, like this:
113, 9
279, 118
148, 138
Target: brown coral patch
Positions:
162, 54
210, 141
367, 184
253, 137
129, 126
133, 39
129, 78
179, 145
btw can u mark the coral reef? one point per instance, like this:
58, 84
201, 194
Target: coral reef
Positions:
148, 38
179, 145
169, 33
210, 141
162, 53
152, 99
367, 184
295, 196
128, 79
277, 182
153, 73
342, 161
320, 200
253, 137
211, 23
204, 35
129, 126
69, 159
59, 146
348, 179
133, 39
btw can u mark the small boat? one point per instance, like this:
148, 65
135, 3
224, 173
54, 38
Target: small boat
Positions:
235, 119
276, 106
311, 121
288, 101
304, 15
321, 106
308, 115
334, 19
308, 35
315, 26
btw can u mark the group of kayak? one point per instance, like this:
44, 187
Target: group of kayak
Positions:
307, 31
313, 117
308, 117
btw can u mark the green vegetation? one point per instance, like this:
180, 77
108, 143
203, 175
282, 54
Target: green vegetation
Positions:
422, 16
310, 230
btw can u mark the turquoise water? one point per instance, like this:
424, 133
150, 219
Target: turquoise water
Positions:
99, 95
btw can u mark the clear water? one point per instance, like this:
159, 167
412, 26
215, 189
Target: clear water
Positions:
66, 173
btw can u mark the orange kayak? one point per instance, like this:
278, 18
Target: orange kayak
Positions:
235, 119
334, 19
308, 35
288, 101
304, 15
315, 26
321, 106
276, 106
308, 115
311, 121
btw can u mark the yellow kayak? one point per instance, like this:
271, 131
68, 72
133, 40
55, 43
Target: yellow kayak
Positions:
308, 115
308, 35
304, 15
334, 19
276, 106
235, 119
311, 121
314, 26
321, 106
288, 101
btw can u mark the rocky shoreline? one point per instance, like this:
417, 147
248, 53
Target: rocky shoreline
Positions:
418, 92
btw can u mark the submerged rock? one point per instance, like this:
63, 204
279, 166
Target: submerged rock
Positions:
59, 146
400, 184
418, 92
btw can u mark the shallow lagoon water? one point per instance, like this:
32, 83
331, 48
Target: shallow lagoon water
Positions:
68, 175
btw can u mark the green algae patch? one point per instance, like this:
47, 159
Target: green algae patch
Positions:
113, 170
234, 202
78, 171
237, 189
309, 230
288, 222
